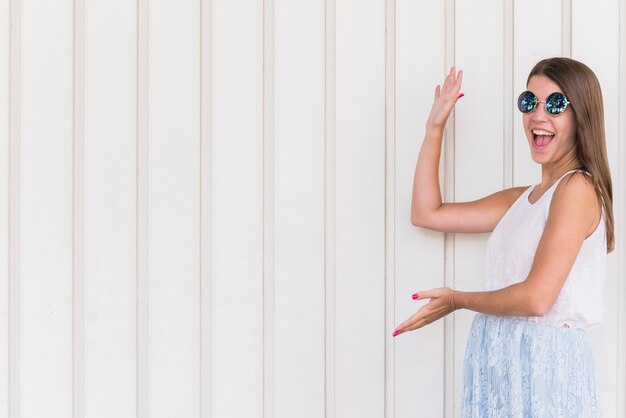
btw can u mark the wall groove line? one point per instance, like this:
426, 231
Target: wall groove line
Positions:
78, 197
14, 209
142, 209
206, 243
390, 206
329, 207
449, 365
268, 208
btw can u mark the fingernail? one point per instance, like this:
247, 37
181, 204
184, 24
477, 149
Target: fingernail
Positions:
461, 95
416, 296
396, 333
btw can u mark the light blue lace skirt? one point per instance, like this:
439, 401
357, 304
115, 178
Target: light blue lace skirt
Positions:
517, 368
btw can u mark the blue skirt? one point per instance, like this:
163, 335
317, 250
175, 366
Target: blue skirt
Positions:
518, 368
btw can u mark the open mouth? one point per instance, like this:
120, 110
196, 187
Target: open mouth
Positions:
541, 138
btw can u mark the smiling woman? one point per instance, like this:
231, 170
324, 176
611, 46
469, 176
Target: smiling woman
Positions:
528, 353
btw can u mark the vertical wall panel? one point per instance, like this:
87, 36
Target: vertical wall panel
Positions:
5, 45
206, 309
237, 224
478, 145
14, 134
141, 214
110, 205
537, 35
269, 221
604, 62
173, 211
330, 193
390, 204
46, 209
419, 355
299, 213
78, 211
360, 208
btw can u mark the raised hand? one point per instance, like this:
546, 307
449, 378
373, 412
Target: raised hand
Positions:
441, 304
445, 99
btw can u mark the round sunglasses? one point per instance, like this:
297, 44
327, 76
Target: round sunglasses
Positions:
556, 103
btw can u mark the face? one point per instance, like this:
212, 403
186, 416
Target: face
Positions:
550, 137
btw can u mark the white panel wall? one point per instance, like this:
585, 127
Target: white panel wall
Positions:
110, 193
46, 209
359, 353
173, 209
206, 203
5, 117
237, 210
299, 166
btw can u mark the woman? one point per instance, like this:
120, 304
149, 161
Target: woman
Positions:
527, 352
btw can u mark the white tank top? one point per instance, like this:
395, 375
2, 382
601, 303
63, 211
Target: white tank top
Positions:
511, 250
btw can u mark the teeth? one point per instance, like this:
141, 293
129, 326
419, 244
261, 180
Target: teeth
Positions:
543, 133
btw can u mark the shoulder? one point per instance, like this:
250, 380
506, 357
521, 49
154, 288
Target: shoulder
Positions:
576, 186
575, 200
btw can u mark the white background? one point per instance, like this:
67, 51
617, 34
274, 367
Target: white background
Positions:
206, 204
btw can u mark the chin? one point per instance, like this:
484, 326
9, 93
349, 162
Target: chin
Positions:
538, 158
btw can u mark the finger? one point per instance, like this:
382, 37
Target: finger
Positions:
443, 85
403, 327
407, 325
437, 91
419, 324
450, 84
424, 294
446, 83
459, 80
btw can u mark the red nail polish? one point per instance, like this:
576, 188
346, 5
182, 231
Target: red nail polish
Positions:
461, 95
395, 333
416, 296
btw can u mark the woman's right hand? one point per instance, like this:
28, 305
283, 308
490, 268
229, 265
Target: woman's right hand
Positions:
445, 99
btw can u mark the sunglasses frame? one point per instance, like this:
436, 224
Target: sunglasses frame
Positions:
567, 103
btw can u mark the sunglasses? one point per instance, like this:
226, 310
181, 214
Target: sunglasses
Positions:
556, 103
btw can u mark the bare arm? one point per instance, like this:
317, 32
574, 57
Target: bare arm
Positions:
573, 216
427, 209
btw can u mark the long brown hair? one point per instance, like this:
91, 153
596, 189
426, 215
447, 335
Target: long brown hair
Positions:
581, 87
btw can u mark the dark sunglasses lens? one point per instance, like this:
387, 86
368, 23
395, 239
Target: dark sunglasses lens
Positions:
556, 103
526, 102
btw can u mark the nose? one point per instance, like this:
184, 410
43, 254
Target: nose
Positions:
540, 112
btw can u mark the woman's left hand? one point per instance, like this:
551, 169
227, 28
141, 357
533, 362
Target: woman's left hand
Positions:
441, 304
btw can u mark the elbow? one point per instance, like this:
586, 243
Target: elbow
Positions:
419, 221
425, 216
421, 218
415, 221
538, 307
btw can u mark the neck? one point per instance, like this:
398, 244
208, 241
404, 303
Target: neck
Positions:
552, 172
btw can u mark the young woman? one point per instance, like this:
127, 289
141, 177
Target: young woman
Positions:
527, 353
